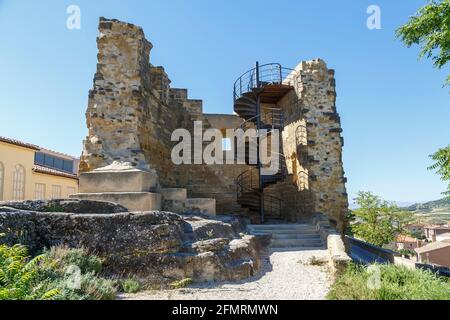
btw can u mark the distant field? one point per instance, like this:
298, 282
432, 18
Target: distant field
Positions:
436, 212
436, 216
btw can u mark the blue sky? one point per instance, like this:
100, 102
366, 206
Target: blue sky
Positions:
394, 109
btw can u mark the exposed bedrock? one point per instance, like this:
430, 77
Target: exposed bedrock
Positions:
157, 245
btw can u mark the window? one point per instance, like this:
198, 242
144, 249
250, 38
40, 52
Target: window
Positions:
18, 183
56, 192
2, 175
71, 190
39, 191
53, 162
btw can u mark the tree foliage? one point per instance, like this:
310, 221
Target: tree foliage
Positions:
376, 221
441, 165
430, 29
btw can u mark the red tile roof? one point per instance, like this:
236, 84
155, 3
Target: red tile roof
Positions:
45, 170
19, 143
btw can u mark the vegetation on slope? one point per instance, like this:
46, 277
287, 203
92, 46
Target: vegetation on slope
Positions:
394, 283
57, 274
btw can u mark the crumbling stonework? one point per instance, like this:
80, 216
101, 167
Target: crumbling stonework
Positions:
158, 246
133, 111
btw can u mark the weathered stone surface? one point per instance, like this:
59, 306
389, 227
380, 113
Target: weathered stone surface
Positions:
65, 205
114, 180
160, 246
133, 201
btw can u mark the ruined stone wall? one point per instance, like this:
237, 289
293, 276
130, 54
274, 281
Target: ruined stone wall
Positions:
132, 112
117, 102
312, 141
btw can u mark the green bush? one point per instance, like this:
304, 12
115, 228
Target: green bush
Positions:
181, 283
130, 286
396, 283
58, 274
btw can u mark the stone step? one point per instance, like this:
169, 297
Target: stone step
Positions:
132, 180
274, 231
312, 236
175, 194
279, 226
202, 205
133, 201
283, 243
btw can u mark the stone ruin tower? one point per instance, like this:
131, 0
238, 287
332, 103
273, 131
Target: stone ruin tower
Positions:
132, 112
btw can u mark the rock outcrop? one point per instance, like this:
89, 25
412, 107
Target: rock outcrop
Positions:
160, 246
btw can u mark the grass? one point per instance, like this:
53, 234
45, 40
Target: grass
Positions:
130, 286
314, 261
181, 284
396, 283
57, 274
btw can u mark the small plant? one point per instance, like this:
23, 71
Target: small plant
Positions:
314, 261
130, 286
57, 274
210, 234
53, 208
181, 284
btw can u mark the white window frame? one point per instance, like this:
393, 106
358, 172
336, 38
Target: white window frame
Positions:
39, 191
18, 183
56, 192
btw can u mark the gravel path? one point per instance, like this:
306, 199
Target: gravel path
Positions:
284, 275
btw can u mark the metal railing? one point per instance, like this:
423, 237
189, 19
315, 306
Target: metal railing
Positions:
270, 73
271, 118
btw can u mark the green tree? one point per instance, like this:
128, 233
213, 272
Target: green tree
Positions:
377, 221
441, 165
430, 29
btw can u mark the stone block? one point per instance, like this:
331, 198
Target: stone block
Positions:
177, 194
133, 201
118, 181
202, 205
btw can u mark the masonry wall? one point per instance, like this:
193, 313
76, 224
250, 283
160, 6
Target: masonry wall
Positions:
312, 141
132, 112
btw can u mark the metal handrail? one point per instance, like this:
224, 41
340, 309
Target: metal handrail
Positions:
273, 73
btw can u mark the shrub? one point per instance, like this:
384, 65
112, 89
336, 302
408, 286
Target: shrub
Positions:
315, 261
58, 274
396, 283
130, 286
181, 284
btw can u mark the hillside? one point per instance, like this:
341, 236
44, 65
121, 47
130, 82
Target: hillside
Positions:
434, 212
441, 205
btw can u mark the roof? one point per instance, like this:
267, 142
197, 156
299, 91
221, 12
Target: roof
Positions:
445, 235
438, 227
19, 143
34, 147
56, 153
51, 171
403, 238
433, 246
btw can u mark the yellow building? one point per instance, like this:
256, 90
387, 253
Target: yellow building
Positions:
29, 172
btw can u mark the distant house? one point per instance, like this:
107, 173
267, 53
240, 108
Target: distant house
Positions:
29, 172
435, 253
443, 237
407, 243
431, 232
415, 227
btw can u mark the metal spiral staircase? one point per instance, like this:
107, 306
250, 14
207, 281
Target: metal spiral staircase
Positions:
256, 89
